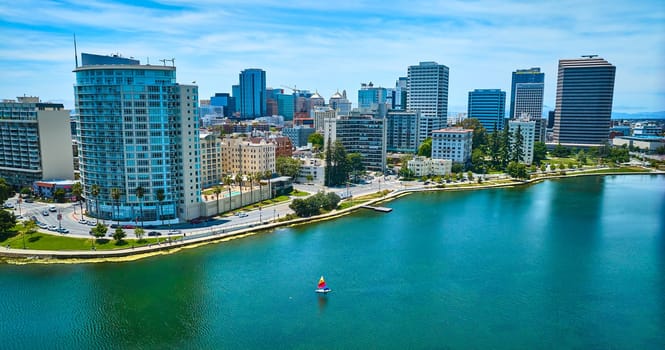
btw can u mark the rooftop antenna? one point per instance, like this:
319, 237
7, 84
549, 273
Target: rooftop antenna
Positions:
589, 56
164, 60
76, 55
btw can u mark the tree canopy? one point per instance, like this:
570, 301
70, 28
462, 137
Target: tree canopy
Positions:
316, 139
337, 166
288, 166
425, 148
312, 205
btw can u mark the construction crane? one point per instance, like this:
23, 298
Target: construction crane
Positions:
294, 89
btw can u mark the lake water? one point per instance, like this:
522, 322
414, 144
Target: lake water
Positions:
564, 264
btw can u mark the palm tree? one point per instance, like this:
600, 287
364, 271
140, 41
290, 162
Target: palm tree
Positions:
140, 191
160, 198
94, 191
268, 175
217, 190
115, 194
239, 182
77, 189
227, 183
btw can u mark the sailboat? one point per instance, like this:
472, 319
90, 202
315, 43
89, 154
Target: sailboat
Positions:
322, 287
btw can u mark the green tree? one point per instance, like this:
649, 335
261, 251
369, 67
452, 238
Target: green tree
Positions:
288, 166
26, 191
337, 167
560, 151
494, 148
504, 148
316, 139
139, 232
160, 198
518, 145
217, 190
115, 195
660, 150
457, 167
517, 170
355, 161
28, 227
238, 181
7, 222
539, 152
94, 192
99, 231
478, 160
227, 182
425, 148
77, 190
479, 138
5, 190
140, 192
59, 195
119, 234
581, 157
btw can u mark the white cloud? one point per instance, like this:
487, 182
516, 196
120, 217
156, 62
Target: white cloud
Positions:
328, 46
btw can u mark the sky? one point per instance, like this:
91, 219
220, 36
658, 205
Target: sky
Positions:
327, 46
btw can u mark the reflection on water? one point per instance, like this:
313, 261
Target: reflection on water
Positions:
323, 301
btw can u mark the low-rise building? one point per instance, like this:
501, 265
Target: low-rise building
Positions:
452, 143
312, 170
424, 166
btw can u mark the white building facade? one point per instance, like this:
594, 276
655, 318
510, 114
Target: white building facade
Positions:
423, 166
452, 143
527, 128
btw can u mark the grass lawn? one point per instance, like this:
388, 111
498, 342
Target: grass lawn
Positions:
618, 170
297, 193
44, 241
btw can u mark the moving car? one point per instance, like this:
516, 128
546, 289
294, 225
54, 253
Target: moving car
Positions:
154, 233
45, 213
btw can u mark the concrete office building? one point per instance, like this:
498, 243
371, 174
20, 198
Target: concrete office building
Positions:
585, 89
298, 134
35, 142
340, 103
526, 97
137, 128
319, 113
427, 93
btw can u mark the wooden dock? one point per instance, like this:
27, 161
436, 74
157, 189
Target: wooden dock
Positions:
379, 209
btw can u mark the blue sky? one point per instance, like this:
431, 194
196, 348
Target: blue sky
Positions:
326, 46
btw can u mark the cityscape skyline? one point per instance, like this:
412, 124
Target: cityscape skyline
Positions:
327, 48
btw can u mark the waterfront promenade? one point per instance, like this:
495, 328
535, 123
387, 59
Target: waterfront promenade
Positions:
197, 237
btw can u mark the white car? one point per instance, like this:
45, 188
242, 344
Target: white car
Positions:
83, 222
52, 227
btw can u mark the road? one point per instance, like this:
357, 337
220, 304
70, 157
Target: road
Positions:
70, 213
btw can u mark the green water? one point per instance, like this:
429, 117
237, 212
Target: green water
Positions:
569, 264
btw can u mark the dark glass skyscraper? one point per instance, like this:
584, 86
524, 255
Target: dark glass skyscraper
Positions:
585, 89
252, 93
527, 84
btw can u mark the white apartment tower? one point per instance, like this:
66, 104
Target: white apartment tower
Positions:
527, 128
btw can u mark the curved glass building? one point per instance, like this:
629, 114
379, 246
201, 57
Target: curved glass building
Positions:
137, 128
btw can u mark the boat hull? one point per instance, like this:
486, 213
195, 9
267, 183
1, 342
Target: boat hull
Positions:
323, 290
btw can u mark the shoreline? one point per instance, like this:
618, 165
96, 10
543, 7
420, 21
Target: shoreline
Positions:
28, 256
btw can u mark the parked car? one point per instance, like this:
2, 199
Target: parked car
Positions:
45, 213
52, 209
29, 200
83, 221
154, 233
62, 230
128, 227
8, 205
52, 227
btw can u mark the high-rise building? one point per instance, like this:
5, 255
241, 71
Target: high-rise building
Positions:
527, 129
340, 103
489, 107
286, 106
399, 99
369, 96
365, 135
526, 97
298, 134
319, 113
452, 143
252, 93
138, 128
532, 101
402, 131
427, 92
35, 142
211, 159
584, 93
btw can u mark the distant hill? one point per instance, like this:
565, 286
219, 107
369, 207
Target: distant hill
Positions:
643, 115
